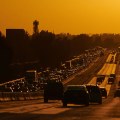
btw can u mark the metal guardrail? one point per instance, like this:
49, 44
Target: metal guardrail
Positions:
16, 96
16, 80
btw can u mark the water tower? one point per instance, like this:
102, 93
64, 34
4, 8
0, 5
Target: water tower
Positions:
35, 27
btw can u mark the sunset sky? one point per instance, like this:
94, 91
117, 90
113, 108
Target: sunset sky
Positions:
62, 16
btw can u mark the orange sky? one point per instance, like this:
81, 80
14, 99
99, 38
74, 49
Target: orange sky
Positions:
68, 16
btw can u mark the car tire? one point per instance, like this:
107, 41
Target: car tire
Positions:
100, 102
45, 100
114, 96
64, 104
87, 104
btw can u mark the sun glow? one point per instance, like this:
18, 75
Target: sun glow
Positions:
68, 16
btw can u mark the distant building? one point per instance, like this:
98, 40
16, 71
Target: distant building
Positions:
15, 36
16, 40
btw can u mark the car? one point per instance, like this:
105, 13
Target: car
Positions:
112, 59
100, 79
117, 92
113, 75
4, 88
103, 92
75, 94
94, 93
53, 90
111, 78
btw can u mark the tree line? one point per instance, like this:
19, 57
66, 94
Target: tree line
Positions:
46, 49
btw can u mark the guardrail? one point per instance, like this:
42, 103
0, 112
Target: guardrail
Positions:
16, 80
16, 96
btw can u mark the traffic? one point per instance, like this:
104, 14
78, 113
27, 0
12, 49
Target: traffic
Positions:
34, 80
52, 85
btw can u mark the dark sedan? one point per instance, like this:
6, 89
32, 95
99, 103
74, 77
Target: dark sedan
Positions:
76, 94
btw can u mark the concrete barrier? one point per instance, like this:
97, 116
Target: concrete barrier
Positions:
17, 96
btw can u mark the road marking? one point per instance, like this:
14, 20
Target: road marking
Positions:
37, 109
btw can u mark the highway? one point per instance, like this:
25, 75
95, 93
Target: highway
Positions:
37, 110
53, 110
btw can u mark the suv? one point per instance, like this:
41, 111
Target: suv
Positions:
53, 90
76, 94
100, 79
95, 93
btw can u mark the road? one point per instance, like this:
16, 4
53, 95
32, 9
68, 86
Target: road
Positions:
38, 110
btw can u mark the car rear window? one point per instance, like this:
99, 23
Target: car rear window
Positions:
93, 89
75, 88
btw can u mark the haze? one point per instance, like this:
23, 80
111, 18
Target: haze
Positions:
62, 16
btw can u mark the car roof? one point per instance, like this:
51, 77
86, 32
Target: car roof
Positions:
100, 75
91, 85
76, 87
102, 87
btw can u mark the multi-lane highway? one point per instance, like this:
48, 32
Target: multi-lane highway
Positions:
37, 110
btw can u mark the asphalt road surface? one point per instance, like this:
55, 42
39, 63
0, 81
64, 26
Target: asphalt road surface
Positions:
53, 110
37, 110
